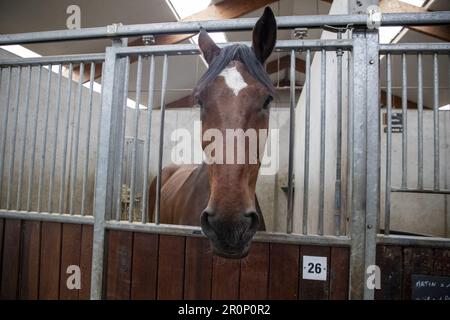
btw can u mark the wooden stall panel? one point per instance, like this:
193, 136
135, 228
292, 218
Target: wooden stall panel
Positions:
145, 266
86, 262
416, 261
120, 248
50, 260
314, 289
254, 279
2, 225
11, 259
171, 267
390, 261
225, 279
198, 269
339, 273
29, 260
284, 271
441, 262
70, 257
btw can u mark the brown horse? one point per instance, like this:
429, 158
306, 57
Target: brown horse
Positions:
234, 93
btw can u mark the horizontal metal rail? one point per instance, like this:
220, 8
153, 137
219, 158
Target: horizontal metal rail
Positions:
435, 191
45, 216
259, 236
241, 24
398, 48
413, 241
281, 45
75, 58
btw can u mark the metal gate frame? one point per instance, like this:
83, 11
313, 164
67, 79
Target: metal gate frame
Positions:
364, 155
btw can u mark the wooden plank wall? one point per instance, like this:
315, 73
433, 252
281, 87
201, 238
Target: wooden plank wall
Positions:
150, 266
397, 264
34, 257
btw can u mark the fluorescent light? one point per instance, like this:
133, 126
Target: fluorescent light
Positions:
185, 8
417, 3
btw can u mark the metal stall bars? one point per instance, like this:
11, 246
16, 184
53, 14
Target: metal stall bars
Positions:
31, 177
164, 52
419, 50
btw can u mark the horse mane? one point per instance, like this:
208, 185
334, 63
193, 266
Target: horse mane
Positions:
239, 52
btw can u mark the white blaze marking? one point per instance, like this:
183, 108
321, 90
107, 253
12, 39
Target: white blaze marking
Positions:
233, 79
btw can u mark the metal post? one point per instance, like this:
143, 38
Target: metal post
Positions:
366, 162
151, 85
373, 156
337, 191
111, 105
387, 196
307, 127
34, 134
323, 102
161, 139
290, 206
405, 123
135, 136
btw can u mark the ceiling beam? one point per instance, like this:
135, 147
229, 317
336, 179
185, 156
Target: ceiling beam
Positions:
228, 9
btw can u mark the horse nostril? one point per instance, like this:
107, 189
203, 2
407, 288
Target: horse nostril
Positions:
205, 224
254, 220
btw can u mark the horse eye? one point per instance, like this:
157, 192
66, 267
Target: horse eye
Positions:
267, 101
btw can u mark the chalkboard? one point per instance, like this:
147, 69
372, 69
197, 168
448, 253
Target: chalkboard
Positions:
430, 287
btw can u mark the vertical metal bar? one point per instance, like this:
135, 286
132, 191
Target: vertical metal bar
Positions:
405, 123
151, 85
44, 143
122, 137
323, 97
307, 129
110, 85
337, 190
76, 134
419, 121
25, 133
33, 144
373, 157
99, 128
88, 139
387, 197
290, 207
136, 134
436, 119
5, 126
65, 141
13, 139
161, 139
55, 139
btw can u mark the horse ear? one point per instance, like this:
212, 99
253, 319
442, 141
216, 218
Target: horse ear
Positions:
264, 35
207, 46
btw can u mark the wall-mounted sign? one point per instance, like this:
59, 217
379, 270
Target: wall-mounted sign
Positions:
315, 268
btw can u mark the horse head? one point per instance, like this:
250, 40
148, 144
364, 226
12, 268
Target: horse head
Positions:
234, 95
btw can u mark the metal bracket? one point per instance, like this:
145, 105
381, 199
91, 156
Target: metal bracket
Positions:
300, 33
112, 29
373, 17
148, 39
